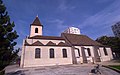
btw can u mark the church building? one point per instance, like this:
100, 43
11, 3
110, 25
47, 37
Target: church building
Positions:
69, 48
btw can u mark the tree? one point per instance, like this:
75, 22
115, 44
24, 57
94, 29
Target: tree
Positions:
7, 37
113, 42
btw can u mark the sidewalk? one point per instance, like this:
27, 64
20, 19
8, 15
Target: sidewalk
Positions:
73, 69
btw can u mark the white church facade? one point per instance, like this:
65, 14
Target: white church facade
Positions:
69, 48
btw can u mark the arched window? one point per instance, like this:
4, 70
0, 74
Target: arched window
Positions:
37, 53
51, 53
105, 51
64, 51
36, 30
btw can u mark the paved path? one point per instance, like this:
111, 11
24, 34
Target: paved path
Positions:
83, 69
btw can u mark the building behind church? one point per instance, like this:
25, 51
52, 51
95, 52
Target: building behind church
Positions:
69, 48
116, 29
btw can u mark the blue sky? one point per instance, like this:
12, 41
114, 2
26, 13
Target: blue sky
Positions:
93, 17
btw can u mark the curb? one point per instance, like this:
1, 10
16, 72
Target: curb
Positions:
111, 68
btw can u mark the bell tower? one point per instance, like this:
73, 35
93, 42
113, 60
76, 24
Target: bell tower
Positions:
36, 27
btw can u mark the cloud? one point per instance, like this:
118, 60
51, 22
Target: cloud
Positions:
64, 6
102, 1
56, 21
21, 27
100, 23
107, 16
60, 26
60, 23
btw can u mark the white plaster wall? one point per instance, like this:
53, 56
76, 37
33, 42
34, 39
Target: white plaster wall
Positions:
80, 59
30, 41
91, 50
79, 50
110, 52
22, 55
45, 60
32, 31
90, 58
106, 57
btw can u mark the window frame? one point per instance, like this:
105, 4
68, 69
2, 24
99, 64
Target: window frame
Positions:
36, 30
51, 53
105, 51
37, 53
64, 52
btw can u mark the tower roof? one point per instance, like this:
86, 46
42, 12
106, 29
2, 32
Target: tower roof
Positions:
36, 22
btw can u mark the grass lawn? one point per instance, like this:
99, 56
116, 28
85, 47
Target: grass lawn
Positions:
115, 66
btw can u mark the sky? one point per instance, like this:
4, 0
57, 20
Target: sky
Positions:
94, 18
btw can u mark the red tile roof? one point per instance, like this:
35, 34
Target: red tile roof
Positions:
46, 37
50, 43
62, 44
79, 40
37, 43
70, 40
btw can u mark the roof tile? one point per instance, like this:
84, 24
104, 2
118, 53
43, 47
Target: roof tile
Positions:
46, 37
50, 43
37, 43
62, 44
80, 40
